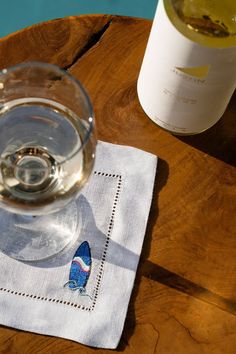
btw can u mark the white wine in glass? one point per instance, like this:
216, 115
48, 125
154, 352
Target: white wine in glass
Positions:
47, 151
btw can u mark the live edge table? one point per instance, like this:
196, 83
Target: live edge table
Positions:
184, 295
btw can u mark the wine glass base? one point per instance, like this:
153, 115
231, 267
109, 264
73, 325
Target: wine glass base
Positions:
34, 238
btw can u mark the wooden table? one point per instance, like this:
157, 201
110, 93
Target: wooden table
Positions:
184, 295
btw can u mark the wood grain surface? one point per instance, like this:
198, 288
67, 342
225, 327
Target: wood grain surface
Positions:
184, 295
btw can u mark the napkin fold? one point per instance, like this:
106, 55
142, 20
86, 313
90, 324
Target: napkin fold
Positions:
83, 293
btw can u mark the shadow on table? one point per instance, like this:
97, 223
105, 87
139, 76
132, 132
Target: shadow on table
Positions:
174, 281
220, 140
160, 181
161, 275
177, 282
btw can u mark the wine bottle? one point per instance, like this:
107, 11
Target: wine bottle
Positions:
188, 74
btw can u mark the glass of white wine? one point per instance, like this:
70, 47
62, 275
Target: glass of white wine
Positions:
47, 151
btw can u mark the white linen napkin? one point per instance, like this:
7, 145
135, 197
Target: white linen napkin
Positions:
90, 306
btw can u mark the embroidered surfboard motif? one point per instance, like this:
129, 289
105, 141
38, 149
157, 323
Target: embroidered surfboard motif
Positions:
80, 269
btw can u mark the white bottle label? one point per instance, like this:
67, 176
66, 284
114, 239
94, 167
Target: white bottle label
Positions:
184, 86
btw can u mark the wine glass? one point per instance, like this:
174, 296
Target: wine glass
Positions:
47, 151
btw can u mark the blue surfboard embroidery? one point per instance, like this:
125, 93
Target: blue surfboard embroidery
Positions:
80, 269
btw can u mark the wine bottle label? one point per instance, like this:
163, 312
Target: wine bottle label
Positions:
184, 86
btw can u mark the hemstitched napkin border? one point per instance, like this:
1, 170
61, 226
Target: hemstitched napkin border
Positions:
114, 209
99, 276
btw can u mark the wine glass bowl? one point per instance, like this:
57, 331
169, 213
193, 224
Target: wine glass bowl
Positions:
47, 151
47, 142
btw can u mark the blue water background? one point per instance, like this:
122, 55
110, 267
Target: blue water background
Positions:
18, 14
